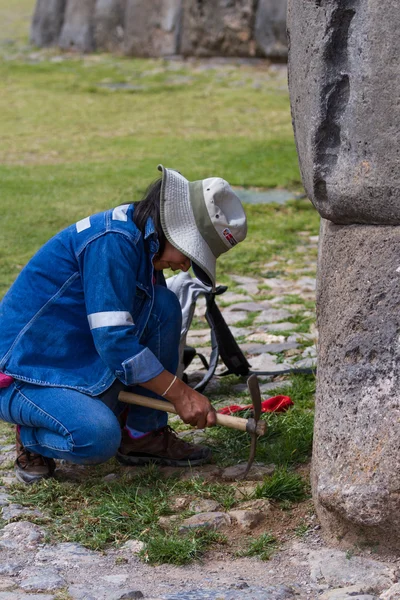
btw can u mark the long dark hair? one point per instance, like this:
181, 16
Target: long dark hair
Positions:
149, 206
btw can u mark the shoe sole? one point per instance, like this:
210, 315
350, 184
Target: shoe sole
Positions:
32, 479
166, 462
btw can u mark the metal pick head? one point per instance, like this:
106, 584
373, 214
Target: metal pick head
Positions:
255, 394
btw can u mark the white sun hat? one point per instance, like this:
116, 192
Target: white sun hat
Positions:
203, 219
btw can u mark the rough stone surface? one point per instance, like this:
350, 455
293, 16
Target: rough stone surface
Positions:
203, 505
47, 21
152, 30
270, 28
273, 592
21, 596
353, 591
256, 473
77, 32
41, 580
356, 455
247, 519
272, 315
21, 535
336, 569
344, 84
13, 511
208, 520
393, 593
109, 30
217, 28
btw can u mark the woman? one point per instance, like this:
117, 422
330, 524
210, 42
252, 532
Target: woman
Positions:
90, 315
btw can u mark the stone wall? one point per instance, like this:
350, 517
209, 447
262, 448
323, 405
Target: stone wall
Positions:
243, 28
345, 89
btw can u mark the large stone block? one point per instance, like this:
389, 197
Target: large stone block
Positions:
270, 28
218, 28
152, 30
345, 88
78, 28
109, 24
47, 21
356, 456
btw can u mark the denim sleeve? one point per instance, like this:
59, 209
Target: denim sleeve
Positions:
109, 266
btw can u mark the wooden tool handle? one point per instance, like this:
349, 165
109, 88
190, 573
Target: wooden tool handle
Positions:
224, 420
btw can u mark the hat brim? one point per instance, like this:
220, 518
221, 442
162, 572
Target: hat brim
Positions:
179, 225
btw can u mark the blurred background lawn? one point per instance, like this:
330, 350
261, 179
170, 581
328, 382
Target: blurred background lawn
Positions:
83, 133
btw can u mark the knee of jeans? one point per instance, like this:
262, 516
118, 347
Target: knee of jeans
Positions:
102, 439
166, 305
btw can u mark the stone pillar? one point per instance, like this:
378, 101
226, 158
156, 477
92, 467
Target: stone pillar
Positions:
218, 28
154, 32
78, 28
270, 29
345, 88
47, 22
109, 24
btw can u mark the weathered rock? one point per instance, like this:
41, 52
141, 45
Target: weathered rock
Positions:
336, 569
217, 28
272, 315
208, 520
265, 348
77, 32
356, 457
109, 24
60, 554
267, 362
343, 74
134, 546
21, 596
133, 595
270, 28
168, 522
13, 511
41, 580
204, 505
47, 21
245, 491
152, 30
393, 593
4, 499
352, 592
247, 519
261, 504
246, 306
21, 536
234, 316
278, 327
11, 568
256, 473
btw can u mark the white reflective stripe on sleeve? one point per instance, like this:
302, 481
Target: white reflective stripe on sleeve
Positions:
119, 213
83, 224
112, 318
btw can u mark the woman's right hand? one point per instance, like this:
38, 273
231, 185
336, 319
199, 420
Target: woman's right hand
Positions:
192, 407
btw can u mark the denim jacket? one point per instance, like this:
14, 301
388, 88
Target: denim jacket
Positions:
75, 314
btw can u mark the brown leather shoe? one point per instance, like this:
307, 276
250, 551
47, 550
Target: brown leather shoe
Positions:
163, 447
30, 467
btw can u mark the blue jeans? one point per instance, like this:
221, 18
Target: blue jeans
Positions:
65, 424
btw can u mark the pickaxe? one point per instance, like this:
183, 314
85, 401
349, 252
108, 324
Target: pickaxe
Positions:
252, 425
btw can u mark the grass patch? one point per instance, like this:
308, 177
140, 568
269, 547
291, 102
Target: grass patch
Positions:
178, 549
262, 547
282, 486
288, 439
96, 513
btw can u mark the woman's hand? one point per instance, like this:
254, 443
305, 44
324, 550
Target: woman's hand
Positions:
192, 407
